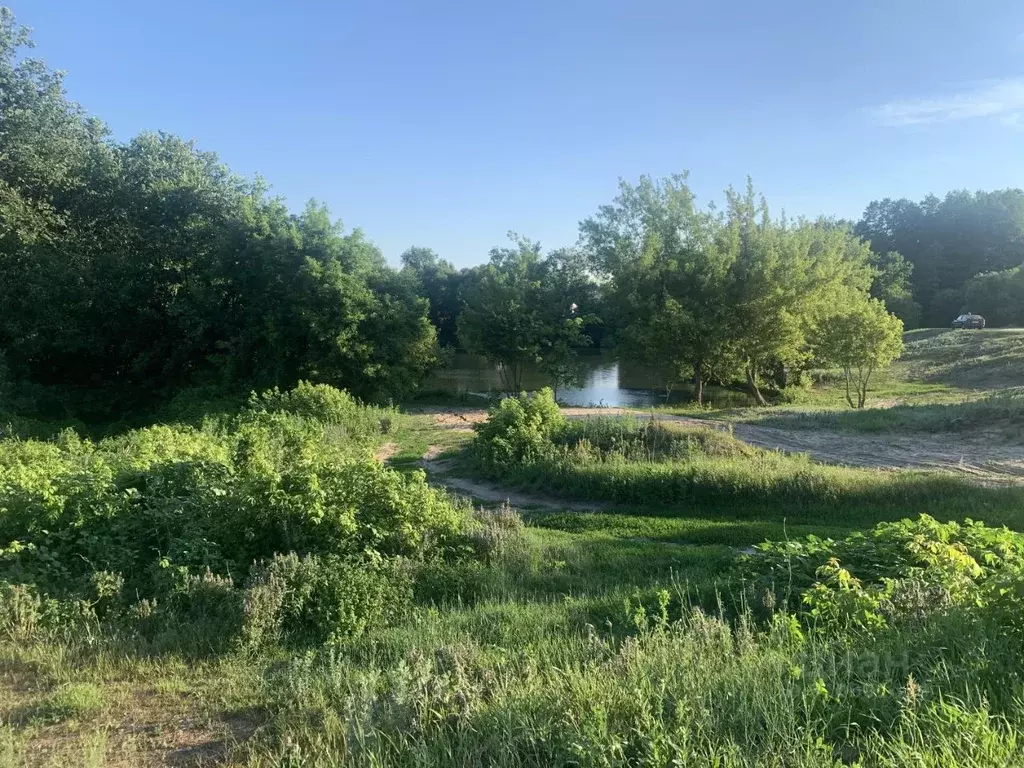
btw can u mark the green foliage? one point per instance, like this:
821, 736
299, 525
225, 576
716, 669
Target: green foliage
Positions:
947, 241
719, 296
438, 281
319, 599
860, 338
998, 296
176, 517
892, 285
521, 309
518, 429
132, 270
635, 440
632, 462
898, 571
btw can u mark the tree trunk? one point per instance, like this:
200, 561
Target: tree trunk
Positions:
862, 395
698, 383
849, 397
752, 381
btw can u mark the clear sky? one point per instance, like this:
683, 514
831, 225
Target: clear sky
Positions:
446, 124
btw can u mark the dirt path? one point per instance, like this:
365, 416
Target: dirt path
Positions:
438, 470
985, 460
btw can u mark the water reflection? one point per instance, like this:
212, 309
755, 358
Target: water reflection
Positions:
605, 381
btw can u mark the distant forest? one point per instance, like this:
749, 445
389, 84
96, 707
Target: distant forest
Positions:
131, 271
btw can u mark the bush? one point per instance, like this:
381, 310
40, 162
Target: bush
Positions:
327, 405
322, 598
518, 429
900, 570
162, 526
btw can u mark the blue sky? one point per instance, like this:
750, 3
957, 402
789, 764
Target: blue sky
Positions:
446, 124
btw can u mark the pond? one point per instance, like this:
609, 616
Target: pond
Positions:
605, 382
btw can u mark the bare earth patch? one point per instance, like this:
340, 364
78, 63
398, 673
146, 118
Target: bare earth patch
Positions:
386, 451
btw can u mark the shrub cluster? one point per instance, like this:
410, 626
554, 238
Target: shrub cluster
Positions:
274, 525
518, 430
898, 571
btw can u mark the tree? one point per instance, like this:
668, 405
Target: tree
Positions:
130, 270
891, 284
521, 309
438, 281
861, 338
666, 278
783, 277
948, 240
719, 296
999, 296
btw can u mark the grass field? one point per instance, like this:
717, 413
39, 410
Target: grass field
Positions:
630, 635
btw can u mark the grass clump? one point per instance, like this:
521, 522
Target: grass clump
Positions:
74, 701
1001, 413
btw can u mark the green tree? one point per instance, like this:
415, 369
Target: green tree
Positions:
438, 281
999, 296
861, 338
666, 279
783, 277
948, 240
892, 284
521, 309
130, 270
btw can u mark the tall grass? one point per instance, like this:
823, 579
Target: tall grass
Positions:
634, 463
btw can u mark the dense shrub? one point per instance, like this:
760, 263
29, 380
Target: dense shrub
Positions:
176, 517
327, 405
518, 429
322, 598
896, 571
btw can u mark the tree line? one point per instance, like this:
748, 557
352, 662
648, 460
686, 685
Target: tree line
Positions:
130, 270
693, 294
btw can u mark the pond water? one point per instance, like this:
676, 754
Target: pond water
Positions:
605, 382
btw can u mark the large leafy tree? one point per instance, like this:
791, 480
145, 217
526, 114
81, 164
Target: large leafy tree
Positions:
782, 279
666, 278
522, 309
132, 269
438, 281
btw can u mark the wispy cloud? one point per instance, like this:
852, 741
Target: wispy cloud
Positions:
1002, 99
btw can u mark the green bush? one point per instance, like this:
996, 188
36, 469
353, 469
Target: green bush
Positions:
322, 598
327, 405
164, 524
518, 430
897, 571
